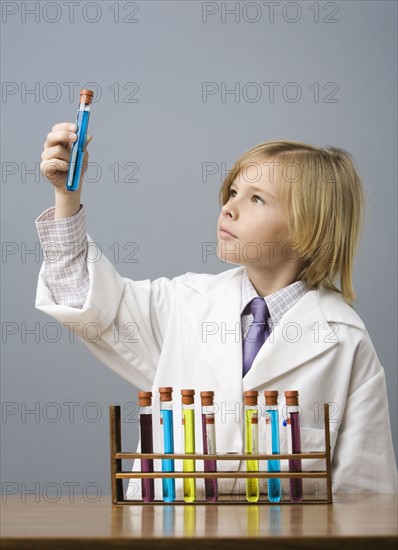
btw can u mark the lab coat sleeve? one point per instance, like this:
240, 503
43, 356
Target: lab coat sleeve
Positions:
122, 321
364, 459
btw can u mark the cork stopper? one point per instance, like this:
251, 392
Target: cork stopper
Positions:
291, 397
145, 398
86, 96
187, 397
250, 397
207, 397
271, 397
166, 393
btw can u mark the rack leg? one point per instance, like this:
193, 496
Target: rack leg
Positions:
116, 447
327, 451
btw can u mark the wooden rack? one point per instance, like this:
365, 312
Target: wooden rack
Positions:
117, 474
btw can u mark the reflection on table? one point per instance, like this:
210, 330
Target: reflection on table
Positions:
352, 521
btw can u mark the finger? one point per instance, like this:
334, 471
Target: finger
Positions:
61, 136
56, 152
64, 126
51, 167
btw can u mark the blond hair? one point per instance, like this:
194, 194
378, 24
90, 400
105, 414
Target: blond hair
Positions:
322, 196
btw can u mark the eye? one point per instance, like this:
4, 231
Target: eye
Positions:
231, 192
259, 198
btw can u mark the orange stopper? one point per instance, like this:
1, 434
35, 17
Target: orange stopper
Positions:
250, 397
271, 397
145, 398
207, 397
292, 397
86, 96
187, 397
165, 393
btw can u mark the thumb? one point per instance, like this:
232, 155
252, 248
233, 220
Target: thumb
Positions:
89, 137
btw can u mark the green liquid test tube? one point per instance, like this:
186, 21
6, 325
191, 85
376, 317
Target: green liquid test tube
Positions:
251, 443
188, 422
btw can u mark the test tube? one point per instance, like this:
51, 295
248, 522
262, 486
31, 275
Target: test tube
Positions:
145, 406
251, 443
77, 153
272, 443
166, 421
294, 442
188, 422
209, 443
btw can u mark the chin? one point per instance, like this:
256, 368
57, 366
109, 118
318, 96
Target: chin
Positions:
227, 257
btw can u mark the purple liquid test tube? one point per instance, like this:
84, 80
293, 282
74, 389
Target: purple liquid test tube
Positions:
209, 443
145, 404
293, 424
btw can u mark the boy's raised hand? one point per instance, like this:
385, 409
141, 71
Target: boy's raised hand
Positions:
56, 154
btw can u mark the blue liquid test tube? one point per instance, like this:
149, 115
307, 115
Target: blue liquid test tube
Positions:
166, 421
77, 153
273, 446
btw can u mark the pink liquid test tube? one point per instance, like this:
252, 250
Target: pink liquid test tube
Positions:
293, 425
145, 405
209, 443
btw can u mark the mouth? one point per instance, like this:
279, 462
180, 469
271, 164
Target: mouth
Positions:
224, 233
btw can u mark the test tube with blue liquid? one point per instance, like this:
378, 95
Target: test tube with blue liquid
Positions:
166, 421
272, 443
77, 153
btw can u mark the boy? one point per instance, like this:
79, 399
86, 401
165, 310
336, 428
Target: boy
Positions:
291, 215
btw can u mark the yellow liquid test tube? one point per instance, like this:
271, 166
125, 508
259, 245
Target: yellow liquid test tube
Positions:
188, 421
251, 443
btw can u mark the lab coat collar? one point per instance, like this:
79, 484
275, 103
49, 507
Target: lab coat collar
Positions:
304, 332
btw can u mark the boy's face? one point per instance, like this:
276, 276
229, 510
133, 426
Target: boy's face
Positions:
252, 228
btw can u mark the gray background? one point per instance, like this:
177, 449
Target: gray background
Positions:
170, 132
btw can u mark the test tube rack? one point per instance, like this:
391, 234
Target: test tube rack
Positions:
117, 474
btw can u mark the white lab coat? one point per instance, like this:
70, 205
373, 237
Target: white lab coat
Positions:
185, 333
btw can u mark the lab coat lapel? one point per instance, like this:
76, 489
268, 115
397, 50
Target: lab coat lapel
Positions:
218, 312
302, 334
215, 318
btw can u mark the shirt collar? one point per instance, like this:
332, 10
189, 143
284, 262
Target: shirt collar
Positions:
278, 302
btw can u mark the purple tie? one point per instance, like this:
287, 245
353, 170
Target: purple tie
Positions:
258, 332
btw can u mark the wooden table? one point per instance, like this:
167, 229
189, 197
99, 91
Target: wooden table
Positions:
355, 521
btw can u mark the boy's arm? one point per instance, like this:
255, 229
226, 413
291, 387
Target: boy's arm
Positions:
121, 321
64, 244
364, 459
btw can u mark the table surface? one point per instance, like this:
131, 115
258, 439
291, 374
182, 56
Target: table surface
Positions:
353, 521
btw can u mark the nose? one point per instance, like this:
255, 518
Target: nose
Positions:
229, 209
